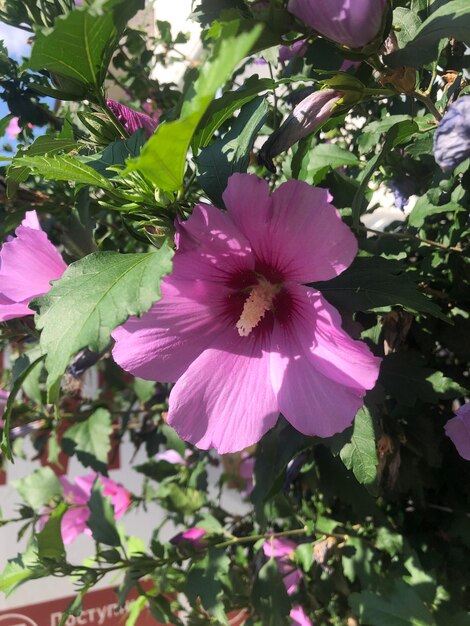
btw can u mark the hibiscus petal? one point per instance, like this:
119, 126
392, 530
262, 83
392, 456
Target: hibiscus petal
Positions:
162, 343
295, 217
74, 524
210, 247
225, 400
28, 263
316, 393
332, 351
279, 547
10, 310
299, 616
31, 220
120, 497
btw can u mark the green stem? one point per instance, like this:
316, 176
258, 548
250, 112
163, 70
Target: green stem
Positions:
429, 104
267, 536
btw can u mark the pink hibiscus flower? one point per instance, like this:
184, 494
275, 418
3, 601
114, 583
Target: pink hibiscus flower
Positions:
237, 329
299, 616
458, 429
28, 263
192, 537
13, 129
74, 521
281, 550
3, 402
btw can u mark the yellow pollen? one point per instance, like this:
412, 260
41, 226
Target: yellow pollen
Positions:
256, 305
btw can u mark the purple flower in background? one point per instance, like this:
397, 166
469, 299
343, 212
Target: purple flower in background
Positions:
132, 120
347, 64
282, 550
452, 137
306, 117
192, 537
458, 429
28, 263
352, 23
297, 49
299, 616
239, 331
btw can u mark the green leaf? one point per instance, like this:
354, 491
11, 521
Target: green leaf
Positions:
135, 609
406, 378
373, 282
45, 144
163, 157
185, 501
360, 455
63, 168
270, 597
401, 607
24, 567
231, 154
275, 451
223, 108
101, 521
452, 19
78, 49
389, 541
323, 158
144, 389
357, 558
15, 389
90, 440
370, 134
39, 487
12, 576
400, 132
50, 544
205, 581
117, 153
94, 296
424, 208
406, 24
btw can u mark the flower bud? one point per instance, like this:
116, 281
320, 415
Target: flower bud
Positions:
132, 120
452, 138
352, 23
458, 429
306, 117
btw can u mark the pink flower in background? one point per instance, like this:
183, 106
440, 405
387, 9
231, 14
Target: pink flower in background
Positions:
297, 49
132, 120
170, 456
299, 616
192, 537
3, 401
13, 129
458, 429
77, 494
238, 330
28, 264
152, 110
282, 550
352, 23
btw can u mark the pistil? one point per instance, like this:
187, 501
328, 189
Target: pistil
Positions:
256, 306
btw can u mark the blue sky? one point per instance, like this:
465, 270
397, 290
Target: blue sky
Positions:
16, 42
